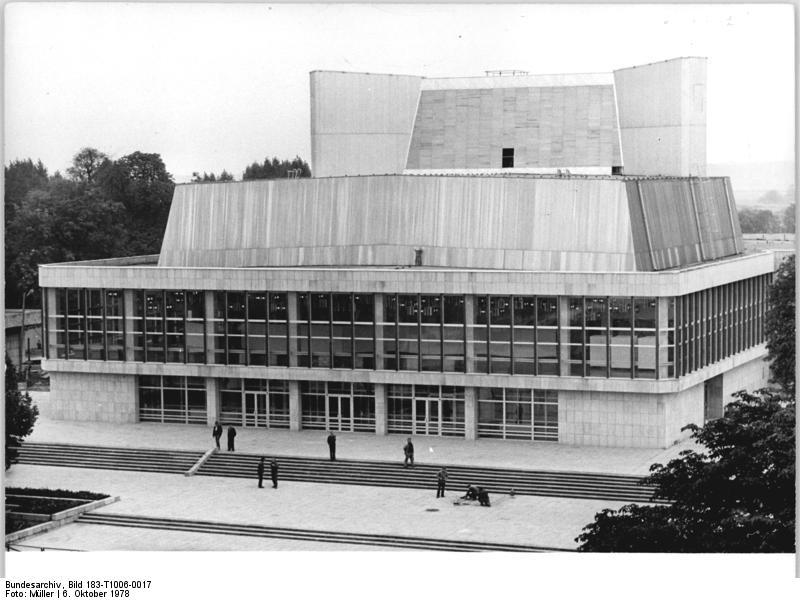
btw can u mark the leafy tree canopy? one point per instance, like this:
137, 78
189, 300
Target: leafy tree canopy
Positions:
735, 496
210, 177
277, 169
758, 220
21, 414
105, 208
85, 164
779, 326
789, 218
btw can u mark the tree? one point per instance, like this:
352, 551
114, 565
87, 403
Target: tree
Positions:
140, 183
206, 177
277, 169
754, 220
21, 178
779, 326
86, 163
789, 218
735, 496
21, 414
66, 221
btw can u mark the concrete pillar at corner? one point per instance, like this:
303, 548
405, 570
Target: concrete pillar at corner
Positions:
470, 413
212, 400
291, 315
469, 321
294, 406
127, 307
380, 409
563, 334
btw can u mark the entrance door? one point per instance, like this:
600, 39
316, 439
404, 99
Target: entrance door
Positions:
255, 409
427, 416
340, 413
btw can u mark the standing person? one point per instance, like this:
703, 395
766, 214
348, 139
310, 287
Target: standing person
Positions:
261, 472
441, 481
332, 445
216, 433
231, 436
273, 471
408, 451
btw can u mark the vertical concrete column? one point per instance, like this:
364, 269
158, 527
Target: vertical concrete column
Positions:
563, 334
379, 356
209, 308
294, 406
212, 400
291, 314
662, 339
470, 413
381, 412
127, 308
469, 321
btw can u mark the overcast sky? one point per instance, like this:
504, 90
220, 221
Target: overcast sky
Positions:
220, 86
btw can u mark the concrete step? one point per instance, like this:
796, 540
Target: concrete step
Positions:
336, 537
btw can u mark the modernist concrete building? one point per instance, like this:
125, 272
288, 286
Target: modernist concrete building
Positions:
519, 257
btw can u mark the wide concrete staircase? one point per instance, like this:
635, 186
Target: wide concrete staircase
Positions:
110, 458
307, 535
422, 476
622, 488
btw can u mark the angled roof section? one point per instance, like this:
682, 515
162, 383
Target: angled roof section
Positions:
532, 223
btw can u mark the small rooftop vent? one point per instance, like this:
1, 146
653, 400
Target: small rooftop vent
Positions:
505, 73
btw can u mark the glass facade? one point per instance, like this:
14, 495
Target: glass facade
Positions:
337, 406
172, 399
581, 336
719, 321
520, 414
254, 403
425, 409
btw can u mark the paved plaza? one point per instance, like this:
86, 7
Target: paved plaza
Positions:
532, 520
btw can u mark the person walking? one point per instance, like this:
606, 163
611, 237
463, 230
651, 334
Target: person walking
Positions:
216, 433
273, 471
441, 482
332, 445
261, 472
408, 451
231, 437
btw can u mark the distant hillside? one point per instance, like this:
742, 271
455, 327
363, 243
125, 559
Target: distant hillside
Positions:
750, 181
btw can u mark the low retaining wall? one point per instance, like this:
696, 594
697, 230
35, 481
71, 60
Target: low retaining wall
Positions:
60, 518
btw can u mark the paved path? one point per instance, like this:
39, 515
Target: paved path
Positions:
429, 449
539, 521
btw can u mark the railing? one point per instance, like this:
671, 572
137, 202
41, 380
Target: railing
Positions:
157, 415
521, 431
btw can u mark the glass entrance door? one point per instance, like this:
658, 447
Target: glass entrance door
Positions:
255, 409
427, 413
340, 413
